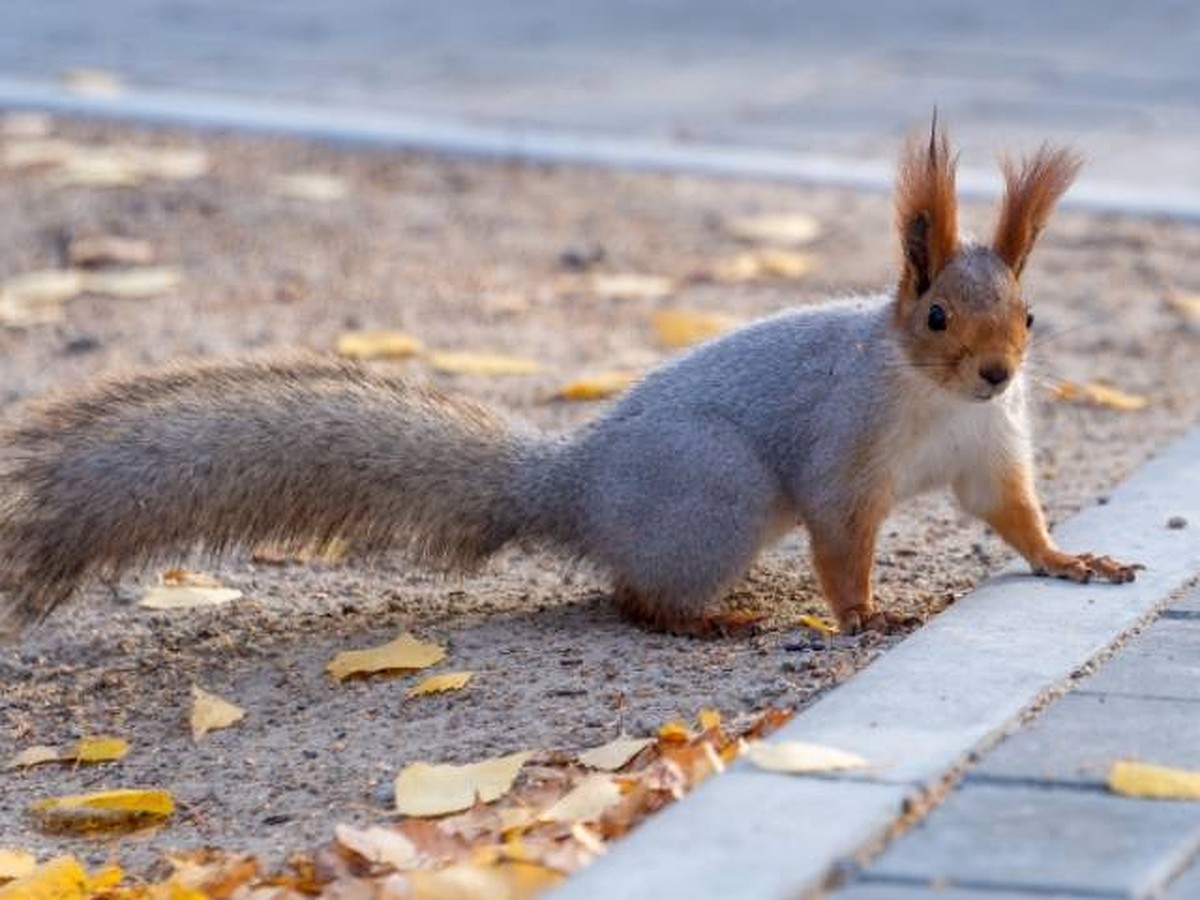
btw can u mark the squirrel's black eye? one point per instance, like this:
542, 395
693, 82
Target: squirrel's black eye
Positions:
1029, 320
937, 318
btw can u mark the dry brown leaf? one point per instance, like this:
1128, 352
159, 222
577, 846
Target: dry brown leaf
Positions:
675, 732
107, 811
500, 881
709, 719
101, 748
586, 802
110, 250
146, 281
434, 790
405, 653
377, 845
757, 265
377, 345
787, 229
34, 756
15, 864
799, 757
314, 186
210, 712
615, 754
683, 327
1137, 779
631, 286
482, 364
440, 684
91, 82
597, 387
25, 125
1096, 394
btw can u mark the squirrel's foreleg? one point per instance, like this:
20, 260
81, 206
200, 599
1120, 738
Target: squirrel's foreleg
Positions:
844, 555
1005, 498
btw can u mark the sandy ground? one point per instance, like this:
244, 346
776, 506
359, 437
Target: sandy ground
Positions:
471, 256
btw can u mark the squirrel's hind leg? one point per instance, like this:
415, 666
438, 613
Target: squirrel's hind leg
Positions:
678, 512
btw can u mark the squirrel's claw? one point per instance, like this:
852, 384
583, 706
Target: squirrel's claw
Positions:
1083, 567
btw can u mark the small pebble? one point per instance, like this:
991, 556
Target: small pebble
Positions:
1177, 522
384, 793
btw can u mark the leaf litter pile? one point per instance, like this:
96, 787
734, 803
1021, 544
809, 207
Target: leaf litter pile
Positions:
139, 248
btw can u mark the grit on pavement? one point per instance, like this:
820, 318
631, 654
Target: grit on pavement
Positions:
472, 256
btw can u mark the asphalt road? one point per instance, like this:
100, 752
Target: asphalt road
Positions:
1121, 80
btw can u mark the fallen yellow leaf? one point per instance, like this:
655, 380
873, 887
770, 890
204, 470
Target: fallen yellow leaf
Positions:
434, 790
377, 345
380, 845
631, 286
96, 167
186, 596
787, 229
34, 756
119, 810
210, 712
1136, 779
102, 748
816, 623
314, 186
91, 82
440, 684
597, 387
168, 163
586, 802
684, 327
768, 262
499, 881
709, 719
16, 864
45, 286
615, 754
675, 732
147, 281
62, 878
1097, 394
482, 364
799, 757
109, 250
403, 653
35, 154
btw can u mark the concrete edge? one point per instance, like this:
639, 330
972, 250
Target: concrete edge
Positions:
458, 137
919, 711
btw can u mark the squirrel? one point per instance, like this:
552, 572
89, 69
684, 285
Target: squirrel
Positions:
824, 416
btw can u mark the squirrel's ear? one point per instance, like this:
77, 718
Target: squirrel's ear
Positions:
1030, 192
926, 212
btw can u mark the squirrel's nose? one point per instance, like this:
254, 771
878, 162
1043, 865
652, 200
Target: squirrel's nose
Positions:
994, 374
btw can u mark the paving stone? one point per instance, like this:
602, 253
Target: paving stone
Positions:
1081, 735
1163, 661
746, 833
1020, 838
1185, 887
883, 891
1188, 603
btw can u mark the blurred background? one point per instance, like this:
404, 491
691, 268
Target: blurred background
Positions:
1122, 80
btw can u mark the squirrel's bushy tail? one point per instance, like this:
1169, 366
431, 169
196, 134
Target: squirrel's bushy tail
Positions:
295, 453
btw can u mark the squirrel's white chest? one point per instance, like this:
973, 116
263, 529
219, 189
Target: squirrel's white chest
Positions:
940, 447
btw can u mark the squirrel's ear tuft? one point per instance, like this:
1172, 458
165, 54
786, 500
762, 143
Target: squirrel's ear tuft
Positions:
1030, 192
926, 210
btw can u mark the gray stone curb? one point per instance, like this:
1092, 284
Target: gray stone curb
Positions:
918, 712
369, 128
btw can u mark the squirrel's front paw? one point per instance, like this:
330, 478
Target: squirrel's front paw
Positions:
1083, 567
858, 620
